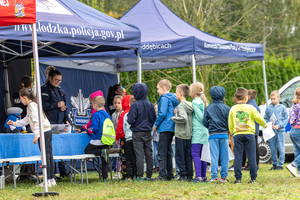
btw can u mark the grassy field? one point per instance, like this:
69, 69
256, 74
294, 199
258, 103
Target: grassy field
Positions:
270, 185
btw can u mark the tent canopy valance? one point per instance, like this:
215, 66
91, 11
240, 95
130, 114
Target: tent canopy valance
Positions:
66, 28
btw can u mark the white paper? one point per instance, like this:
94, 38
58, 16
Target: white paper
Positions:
268, 132
259, 140
273, 118
230, 153
205, 154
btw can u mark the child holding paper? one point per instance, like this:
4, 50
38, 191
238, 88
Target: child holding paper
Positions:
242, 126
277, 114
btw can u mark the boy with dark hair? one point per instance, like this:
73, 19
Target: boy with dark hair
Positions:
165, 127
215, 119
141, 117
242, 126
277, 113
183, 133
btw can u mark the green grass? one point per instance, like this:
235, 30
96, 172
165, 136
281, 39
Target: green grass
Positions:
270, 185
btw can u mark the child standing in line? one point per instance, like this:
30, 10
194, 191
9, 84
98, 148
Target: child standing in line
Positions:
96, 146
155, 144
129, 151
117, 102
280, 121
242, 126
294, 120
165, 127
215, 119
183, 133
200, 132
141, 117
28, 99
120, 135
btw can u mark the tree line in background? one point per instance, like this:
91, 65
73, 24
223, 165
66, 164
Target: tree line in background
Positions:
275, 23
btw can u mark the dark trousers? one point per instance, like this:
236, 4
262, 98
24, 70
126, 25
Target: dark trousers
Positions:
164, 151
246, 141
183, 157
257, 153
94, 149
130, 159
49, 155
142, 144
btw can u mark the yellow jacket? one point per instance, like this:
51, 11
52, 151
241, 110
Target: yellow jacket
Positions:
241, 119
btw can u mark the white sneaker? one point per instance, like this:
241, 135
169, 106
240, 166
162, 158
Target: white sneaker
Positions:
117, 175
53, 182
292, 170
42, 184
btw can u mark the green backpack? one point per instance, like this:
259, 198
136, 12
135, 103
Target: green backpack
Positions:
108, 132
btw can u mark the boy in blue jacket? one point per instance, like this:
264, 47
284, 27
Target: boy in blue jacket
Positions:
141, 117
96, 146
281, 120
216, 121
165, 127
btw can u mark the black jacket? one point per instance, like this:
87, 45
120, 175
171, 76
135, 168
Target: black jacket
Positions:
50, 98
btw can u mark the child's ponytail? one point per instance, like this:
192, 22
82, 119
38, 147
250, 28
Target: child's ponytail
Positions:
297, 96
198, 89
28, 93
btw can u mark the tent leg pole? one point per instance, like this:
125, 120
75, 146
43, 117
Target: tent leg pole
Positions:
139, 67
194, 68
6, 86
118, 76
40, 114
265, 82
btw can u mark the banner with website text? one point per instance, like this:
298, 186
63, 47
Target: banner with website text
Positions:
13, 12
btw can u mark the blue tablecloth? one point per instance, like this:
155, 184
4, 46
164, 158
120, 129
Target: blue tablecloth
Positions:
20, 145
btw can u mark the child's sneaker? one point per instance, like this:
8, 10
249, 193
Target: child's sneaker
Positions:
237, 181
53, 182
252, 181
224, 180
117, 176
138, 179
147, 179
292, 170
182, 178
273, 167
197, 180
213, 180
231, 168
204, 180
279, 168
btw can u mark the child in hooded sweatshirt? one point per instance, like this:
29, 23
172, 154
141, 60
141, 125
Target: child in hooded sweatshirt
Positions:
200, 132
129, 151
117, 102
120, 135
281, 120
141, 117
165, 127
216, 121
183, 133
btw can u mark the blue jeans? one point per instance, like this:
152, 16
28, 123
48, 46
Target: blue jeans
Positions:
246, 141
277, 143
219, 148
164, 154
295, 137
155, 157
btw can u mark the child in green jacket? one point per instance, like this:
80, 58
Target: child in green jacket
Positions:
200, 132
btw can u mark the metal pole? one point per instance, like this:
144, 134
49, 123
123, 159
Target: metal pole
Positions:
139, 66
39, 102
265, 82
194, 68
6, 87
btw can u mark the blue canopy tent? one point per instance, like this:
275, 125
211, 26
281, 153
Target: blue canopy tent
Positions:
167, 42
65, 28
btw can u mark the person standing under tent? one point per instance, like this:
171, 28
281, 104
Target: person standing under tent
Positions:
54, 104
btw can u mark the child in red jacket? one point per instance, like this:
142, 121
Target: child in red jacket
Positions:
120, 135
